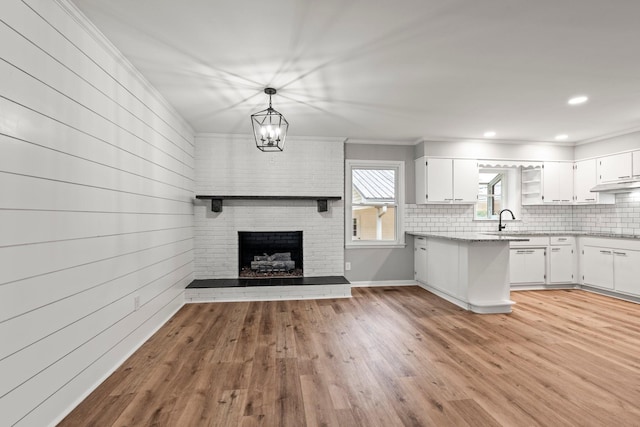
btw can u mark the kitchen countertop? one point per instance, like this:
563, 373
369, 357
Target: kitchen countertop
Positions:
514, 236
470, 236
565, 233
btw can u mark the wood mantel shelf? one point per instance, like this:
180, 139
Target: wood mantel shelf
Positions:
216, 201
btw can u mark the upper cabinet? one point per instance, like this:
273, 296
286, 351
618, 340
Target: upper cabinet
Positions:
615, 168
557, 183
446, 180
636, 164
585, 178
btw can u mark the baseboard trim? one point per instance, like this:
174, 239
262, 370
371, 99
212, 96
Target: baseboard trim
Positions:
376, 283
544, 287
267, 293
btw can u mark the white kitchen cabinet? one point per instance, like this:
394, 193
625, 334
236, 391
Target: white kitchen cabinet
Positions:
465, 181
420, 259
446, 180
557, 182
585, 178
635, 164
561, 265
527, 266
531, 186
626, 271
597, 267
617, 167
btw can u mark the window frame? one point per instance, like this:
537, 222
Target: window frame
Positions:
511, 186
399, 167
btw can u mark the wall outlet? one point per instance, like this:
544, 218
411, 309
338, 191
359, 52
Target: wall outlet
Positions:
347, 266
136, 303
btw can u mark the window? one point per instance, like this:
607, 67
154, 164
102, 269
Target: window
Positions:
374, 191
498, 188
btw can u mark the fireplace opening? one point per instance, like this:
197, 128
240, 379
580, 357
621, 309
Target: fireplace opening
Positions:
270, 254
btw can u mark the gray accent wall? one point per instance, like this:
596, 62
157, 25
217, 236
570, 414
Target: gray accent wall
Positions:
374, 265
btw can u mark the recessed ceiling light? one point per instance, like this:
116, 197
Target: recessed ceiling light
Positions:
578, 100
562, 137
489, 134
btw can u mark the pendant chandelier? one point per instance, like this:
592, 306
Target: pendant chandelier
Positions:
269, 127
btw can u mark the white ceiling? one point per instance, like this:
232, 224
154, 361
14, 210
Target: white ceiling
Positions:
397, 70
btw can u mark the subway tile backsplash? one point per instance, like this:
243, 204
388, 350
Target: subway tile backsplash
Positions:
622, 218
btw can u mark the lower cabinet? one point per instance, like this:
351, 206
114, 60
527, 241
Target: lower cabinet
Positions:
597, 267
561, 264
626, 271
420, 259
527, 266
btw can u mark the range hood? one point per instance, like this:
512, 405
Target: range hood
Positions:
617, 187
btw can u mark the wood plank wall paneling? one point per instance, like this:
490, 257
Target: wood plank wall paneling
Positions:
96, 190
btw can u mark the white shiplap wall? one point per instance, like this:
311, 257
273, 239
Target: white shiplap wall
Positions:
96, 188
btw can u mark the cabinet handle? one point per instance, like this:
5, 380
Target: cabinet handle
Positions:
626, 176
620, 253
562, 239
457, 200
591, 200
448, 199
606, 252
555, 249
423, 249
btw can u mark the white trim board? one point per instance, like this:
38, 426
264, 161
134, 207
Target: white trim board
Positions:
267, 293
378, 283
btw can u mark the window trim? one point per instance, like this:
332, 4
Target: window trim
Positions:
398, 165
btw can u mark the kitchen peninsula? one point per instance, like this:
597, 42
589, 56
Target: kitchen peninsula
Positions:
470, 270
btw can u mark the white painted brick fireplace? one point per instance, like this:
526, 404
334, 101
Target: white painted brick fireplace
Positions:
232, 165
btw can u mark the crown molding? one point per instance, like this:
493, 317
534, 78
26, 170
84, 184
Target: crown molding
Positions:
412, 141
609, 135
89, 27
249, 136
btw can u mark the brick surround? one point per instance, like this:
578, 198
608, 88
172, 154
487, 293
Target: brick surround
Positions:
232, 165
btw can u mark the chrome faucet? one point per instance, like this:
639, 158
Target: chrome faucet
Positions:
500, 226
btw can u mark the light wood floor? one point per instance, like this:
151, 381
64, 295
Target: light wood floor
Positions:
387, 357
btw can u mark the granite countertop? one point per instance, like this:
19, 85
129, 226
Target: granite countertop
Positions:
470, 236
515, 236
565, 233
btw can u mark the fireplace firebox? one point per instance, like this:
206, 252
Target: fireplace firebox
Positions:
270, 254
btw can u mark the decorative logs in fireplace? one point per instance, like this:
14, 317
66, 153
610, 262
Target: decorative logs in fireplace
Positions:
278, 262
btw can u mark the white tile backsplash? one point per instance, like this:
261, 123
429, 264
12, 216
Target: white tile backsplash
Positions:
623, 217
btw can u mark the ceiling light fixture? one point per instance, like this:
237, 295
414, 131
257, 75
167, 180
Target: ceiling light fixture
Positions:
269, 127
561, 137
576, 100
489, 134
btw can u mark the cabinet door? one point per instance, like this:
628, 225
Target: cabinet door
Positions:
597, 267
636, 164
465, 181
626, 271
420, 260
550, 187
615, 168
421, 180
557, 182
527, 266
561, 264
585, 179
440, 180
